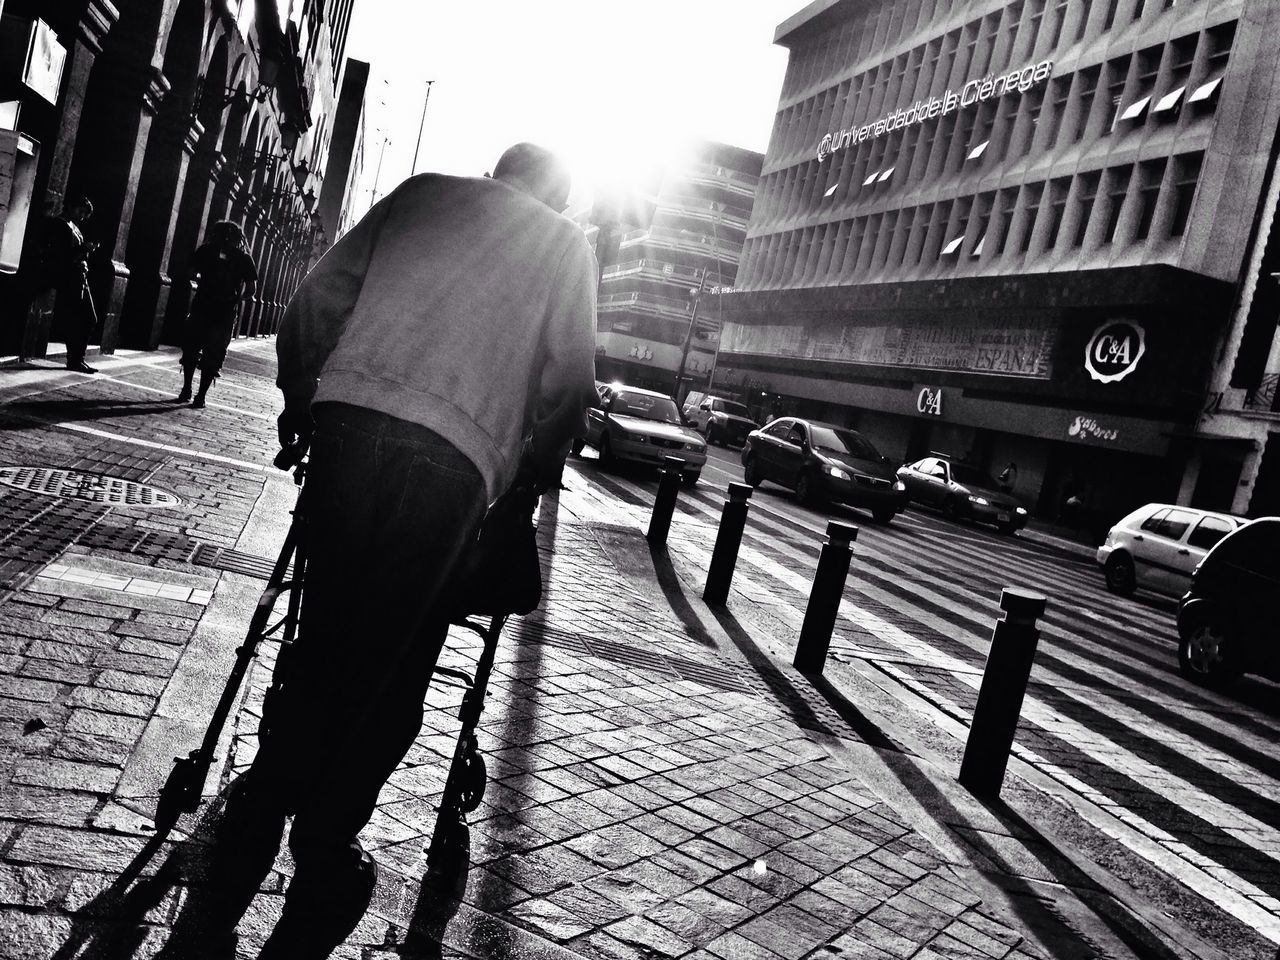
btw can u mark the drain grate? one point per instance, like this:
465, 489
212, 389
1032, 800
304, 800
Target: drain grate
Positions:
81, 485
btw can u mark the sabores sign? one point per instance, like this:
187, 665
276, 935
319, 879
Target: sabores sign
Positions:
975, 91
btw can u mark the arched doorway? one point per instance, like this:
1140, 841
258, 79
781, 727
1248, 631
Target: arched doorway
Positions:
164, 168
204, 165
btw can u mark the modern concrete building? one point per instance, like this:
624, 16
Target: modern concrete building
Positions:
168, 115
1017, 231
649, 287
346, 152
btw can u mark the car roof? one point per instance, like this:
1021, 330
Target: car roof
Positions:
823, 423
640, 390
1198, 511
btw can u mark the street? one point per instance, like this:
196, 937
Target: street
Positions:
1184, 779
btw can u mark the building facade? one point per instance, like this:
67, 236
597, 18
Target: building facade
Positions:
1016, 232
683, 257
169, 115
346, 153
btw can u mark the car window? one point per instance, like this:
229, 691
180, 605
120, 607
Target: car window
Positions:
932, 467
646, 407
796, 435
1153, 522
731, 408
1254, 547
778, 428
1175, 524
844, 441
1209, 531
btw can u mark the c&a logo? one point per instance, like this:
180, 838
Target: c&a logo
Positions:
1114, 350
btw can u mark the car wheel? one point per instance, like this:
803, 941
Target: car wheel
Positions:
884, 516
577, 446
1205, 654
690, 479
711, 435
1120, 574
1007, 529
751, 472
805, 491
607, 456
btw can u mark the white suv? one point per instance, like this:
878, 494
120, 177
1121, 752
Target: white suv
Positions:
1158, 546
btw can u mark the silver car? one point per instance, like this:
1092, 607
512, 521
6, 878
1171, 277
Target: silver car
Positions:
1158, 546
643, 426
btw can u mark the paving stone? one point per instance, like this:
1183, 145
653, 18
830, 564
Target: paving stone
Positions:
29, 689
66, 775
734, 946
112, 701
28, 936
549, 919
87, 748
78, 849
686, 922
112, 725
26, 886
648, 936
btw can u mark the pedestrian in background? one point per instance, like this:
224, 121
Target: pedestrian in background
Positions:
64, 267
227, 275
388, 352
1009, 477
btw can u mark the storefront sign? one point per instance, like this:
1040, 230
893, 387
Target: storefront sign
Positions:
930, 401
45, 59
1114, 350
1087, 428
997, 350
975, 91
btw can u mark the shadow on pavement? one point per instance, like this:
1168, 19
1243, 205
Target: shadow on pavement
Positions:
673, 591
61, 411
1034, 909
445, 886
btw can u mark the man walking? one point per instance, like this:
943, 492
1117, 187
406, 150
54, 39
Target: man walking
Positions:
442, 345
227, 275
64, 266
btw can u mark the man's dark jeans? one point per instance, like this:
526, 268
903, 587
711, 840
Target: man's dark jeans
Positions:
390, 507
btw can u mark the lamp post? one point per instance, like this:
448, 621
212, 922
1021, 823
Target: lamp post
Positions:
421, 123
688, 336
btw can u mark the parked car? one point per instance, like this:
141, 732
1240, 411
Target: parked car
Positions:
642, 426
1157, 546
1227, 620
718, 419
962, 492
821, 461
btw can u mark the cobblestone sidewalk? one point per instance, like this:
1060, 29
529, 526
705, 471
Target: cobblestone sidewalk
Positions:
648, 797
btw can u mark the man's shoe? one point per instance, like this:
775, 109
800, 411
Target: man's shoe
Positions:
321, 911
198, 402
81, 367
184, 395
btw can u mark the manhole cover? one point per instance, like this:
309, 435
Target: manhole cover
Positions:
86, 486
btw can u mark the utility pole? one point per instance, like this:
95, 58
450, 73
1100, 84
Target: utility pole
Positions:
421, 123
688, 337
378, 175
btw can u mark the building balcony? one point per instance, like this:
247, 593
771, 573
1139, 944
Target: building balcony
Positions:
680, 240
1264, 398
669, 308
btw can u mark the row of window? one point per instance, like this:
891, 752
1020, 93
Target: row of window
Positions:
1166, 83
1026, 26
1122, 205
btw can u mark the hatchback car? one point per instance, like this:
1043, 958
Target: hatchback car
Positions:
1157, 546
726, 421
821, 461
962, 492
1227, 620
642, 426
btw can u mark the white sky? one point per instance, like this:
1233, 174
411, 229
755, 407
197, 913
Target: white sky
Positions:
607, 84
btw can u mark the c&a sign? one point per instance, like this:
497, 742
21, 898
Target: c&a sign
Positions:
929, 401
1114, 350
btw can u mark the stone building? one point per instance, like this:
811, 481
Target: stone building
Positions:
690, 241
170, 115
1018, 230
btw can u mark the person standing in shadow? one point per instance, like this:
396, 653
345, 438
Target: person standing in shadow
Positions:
64, 267
227, 275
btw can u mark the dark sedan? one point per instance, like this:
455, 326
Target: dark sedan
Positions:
821, 461
962, 492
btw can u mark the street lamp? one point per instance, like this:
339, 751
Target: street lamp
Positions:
696, 295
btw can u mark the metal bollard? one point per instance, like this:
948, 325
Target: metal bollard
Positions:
733, 520
1004, 683
824, 597
664, 504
